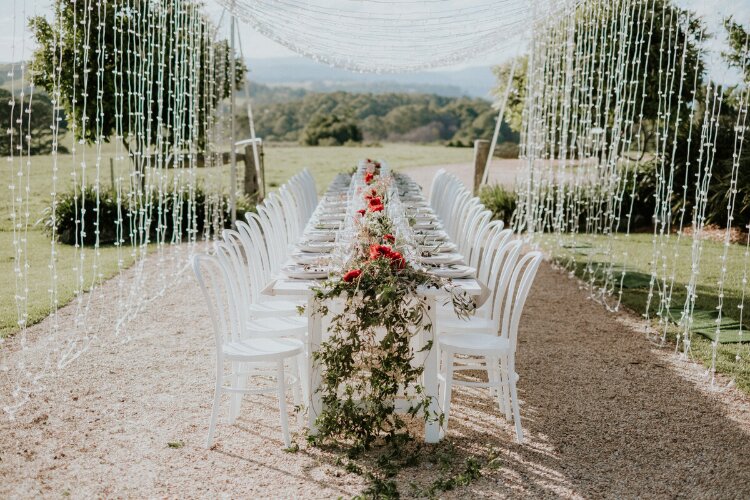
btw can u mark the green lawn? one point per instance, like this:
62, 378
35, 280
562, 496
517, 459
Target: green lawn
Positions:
732, 359
281, 163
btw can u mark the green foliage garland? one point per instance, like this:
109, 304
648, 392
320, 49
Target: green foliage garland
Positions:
368, 358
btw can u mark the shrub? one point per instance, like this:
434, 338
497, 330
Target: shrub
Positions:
500, 201
191, 218
506, 150
330, 130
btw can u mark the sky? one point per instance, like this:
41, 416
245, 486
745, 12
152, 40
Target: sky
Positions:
15, 43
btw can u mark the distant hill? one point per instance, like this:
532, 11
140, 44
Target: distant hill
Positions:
309, 75
283, 114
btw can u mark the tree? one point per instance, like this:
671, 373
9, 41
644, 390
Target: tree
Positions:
738, 54
128, 65
38, 122
330, 130
682, 27
514, 107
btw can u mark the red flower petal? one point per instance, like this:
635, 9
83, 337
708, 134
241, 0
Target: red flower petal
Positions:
352, 275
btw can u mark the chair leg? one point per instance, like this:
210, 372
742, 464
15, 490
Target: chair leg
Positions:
516, 408
505, 388
215, 408
297, 398
236, 398
495, 380
282, 403
448, 374
305, 370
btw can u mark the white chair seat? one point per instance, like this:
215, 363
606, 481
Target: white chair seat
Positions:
261, 349
483, 326
474, 343
274, 308
277, 327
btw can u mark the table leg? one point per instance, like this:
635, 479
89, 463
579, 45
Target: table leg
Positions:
432, 427
314, 338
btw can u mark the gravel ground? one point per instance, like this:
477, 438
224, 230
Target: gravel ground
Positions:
606, 414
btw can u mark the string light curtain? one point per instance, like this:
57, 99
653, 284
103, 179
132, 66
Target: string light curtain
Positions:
622, 122
391, 35
140, 84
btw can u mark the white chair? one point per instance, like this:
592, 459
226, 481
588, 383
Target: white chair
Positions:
235, 347
501, 259
496, 353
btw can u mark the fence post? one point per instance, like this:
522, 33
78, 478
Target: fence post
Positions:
112, 172
252, 178
481, 152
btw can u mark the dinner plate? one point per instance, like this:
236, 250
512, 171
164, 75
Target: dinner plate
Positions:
315, 246
332, 216
323, 225
412, 198
429, 237
442, 258
320, 235
427, 224
437, 247
305, 272
453, 271
311, 258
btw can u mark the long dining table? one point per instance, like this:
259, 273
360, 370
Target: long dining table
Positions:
302, 290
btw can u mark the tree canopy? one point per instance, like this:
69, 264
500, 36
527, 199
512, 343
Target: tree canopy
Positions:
126, 63
390, 116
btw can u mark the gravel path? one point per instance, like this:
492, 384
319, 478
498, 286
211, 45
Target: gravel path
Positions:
605, 412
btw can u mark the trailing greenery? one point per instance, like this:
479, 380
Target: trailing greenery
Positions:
368, 356
75, 220
419, 118
368, 359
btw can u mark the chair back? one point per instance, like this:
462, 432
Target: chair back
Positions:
503, 263
216, 289
518, 291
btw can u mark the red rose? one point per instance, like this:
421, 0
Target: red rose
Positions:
371, 195
376, 208
352, 275
368, 177
397, 260
389, 238
378, 251
375, 201
361, 212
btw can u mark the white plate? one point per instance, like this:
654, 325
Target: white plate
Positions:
453, 271
305, 272
315, 246
443, 258
439, 247
326, 225
427, 224
316, 235
333, 216
311, 258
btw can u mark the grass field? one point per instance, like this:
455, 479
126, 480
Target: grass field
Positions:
732, 359
280, 162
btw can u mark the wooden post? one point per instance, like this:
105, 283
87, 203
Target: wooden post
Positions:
252, 178
112, 172
481, 152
